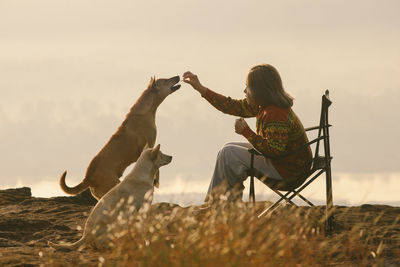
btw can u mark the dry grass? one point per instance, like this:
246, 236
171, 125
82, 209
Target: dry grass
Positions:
231, 235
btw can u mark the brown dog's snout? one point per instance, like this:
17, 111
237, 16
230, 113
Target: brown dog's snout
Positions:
175, 79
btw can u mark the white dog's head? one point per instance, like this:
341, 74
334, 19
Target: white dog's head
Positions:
149, 162
159, 159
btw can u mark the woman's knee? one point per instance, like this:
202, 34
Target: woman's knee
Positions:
227, 149
238, 144
227, 145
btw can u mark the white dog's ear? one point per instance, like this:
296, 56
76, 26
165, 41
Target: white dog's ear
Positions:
155, 151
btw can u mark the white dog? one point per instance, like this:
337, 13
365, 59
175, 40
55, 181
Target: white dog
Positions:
121, 201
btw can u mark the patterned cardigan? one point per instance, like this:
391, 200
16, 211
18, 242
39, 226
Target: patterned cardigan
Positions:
279, 130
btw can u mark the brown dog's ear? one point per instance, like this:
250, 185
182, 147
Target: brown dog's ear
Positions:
153, 82
155, 151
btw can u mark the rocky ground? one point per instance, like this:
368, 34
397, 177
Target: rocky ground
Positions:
26, 223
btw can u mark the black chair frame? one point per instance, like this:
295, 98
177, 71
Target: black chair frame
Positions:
321, 164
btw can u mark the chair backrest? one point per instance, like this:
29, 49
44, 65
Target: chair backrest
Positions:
323, 163
320, 162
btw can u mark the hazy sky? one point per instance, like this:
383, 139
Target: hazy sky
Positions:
70, 71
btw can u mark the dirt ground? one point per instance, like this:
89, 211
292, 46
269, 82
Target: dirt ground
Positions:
27, 223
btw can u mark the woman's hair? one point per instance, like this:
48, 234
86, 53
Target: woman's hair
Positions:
266, 87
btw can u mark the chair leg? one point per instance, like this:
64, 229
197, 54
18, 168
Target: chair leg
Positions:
268, 210
329, 199
306, 200
273, 206
329, 202
297, 193
287, 198
283, 197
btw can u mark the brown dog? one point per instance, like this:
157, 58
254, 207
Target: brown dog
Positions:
124, 147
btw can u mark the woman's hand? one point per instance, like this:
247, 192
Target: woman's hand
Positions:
193, 80
240, 125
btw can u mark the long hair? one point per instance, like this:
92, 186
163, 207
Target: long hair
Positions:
266, 87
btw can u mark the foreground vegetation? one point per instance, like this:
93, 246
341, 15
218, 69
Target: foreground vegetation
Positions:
232, 235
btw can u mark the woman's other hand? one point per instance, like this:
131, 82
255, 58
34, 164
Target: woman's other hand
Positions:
240, 125
193, 80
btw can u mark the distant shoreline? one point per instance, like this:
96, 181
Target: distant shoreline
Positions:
195, 198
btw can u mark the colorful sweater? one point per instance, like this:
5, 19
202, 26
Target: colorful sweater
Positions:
279, 130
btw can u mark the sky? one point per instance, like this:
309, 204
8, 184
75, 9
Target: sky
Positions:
70, 71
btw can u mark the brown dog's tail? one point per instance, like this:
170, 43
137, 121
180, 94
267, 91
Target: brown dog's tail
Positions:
72, 190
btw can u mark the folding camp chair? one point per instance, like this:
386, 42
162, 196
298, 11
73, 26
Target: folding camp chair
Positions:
320, 164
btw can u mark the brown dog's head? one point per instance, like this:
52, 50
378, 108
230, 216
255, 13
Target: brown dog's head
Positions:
165, 86
155, 94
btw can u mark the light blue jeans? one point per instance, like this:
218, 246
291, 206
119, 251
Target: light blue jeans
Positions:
231, 170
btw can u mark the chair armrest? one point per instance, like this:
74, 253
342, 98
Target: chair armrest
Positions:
315, 128
254, 151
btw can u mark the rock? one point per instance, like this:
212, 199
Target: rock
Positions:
86, 198
14, 195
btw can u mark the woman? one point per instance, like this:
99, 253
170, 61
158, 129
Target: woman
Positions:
278, 131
